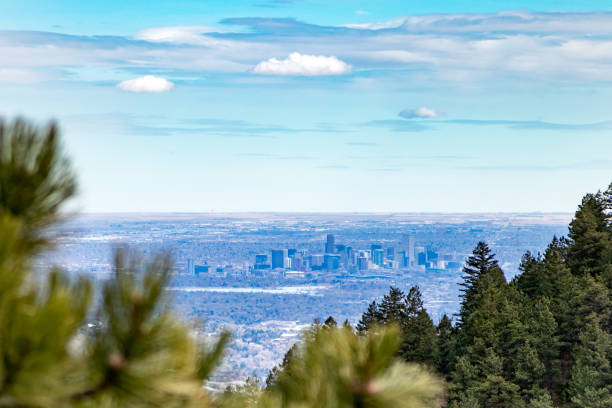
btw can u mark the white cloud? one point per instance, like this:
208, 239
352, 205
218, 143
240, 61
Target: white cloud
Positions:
301, 64
465, 49
420, 113
377, 25
147, 83
26, 76
178, 35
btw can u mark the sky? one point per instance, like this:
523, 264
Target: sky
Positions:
317, 106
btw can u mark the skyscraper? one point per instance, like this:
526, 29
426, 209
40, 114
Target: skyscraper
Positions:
189, 267
278, 258
362, 263
331, 262
408, 246
391, 253
373, 248
378, 256
330, 245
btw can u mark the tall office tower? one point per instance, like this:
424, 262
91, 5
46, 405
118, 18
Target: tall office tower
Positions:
402, 259
287, 264
408, 245
330, 245
362, 263
373, 248
422, 258
291, 252
331, 262
378, 257
278, 258
316, 260
349, 254
261, 258
297, 262
391, 253
189, 267
431, 255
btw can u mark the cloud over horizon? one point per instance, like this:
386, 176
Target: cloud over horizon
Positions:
146, 84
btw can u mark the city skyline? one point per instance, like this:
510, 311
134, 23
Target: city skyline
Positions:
306, 106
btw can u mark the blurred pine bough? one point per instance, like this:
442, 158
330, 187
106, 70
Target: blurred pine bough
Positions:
141, 355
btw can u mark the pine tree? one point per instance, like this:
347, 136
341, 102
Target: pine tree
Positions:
35, 180
282, 367
393, 307
590, 383
480, 264
590, 249
141, 356
337, 368
419, 340
370, 318
447, 346
330, 322
36, 323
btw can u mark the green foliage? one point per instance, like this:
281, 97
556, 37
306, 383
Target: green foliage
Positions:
245, 395
447, 347
35, 179
590, 232
334, 367
419, 340
139, 356
480, 269
142, 355
590, 383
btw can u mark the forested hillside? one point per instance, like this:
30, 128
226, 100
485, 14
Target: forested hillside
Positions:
541, 340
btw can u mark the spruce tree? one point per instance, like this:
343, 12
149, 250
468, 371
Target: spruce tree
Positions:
370, 318
590, 233
447, 346
590, 383
481, 263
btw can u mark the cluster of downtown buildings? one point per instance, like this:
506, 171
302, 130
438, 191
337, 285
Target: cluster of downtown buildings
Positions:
339, 258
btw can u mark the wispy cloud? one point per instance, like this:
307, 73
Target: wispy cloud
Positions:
412, 126
194, 35
533, 124
334, 167
274, 3
139, 125
587, 165
398, 125
420, 113
457, 48
361, 143
276, 156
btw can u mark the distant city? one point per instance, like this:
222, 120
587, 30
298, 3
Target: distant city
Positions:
337, 258
267, 276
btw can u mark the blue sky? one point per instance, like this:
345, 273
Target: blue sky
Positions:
279, 105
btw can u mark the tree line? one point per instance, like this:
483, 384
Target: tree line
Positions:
541, 340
